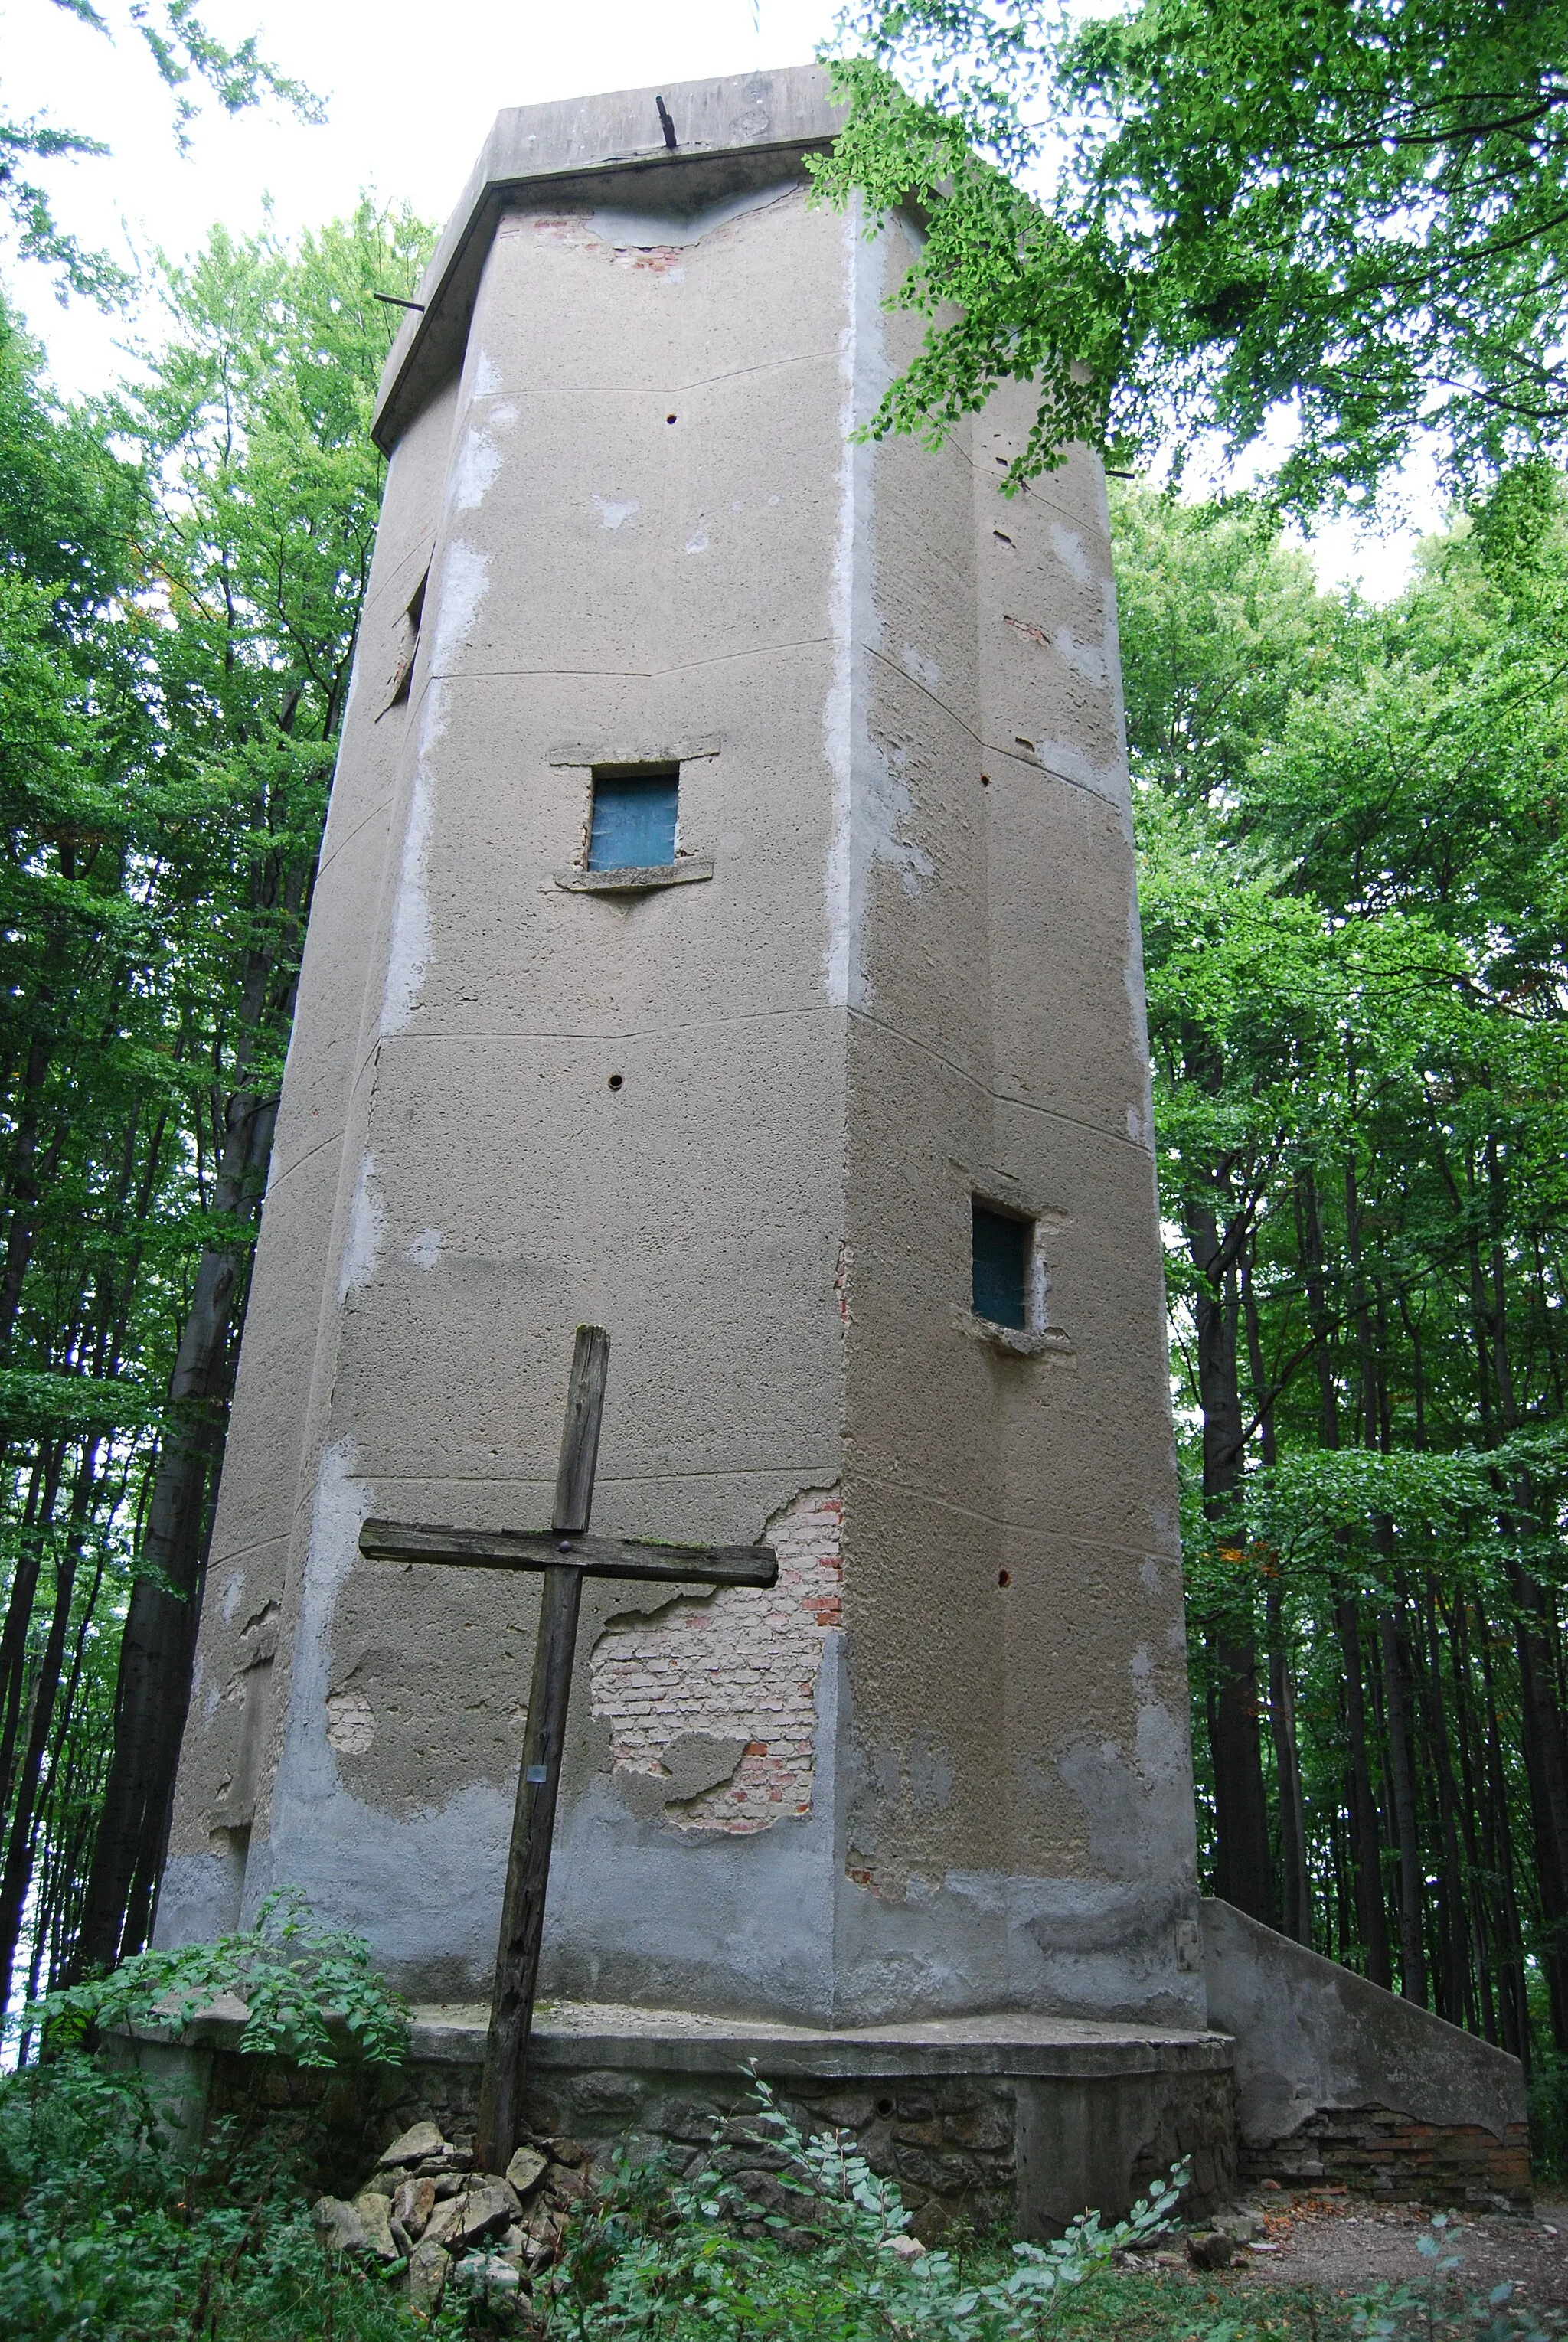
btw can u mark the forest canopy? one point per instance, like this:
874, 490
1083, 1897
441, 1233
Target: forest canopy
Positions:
1341, 224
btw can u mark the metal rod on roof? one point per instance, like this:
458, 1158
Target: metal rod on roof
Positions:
665, 125
395, 301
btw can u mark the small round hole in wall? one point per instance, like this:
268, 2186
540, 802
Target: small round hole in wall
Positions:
615, 1080
671, 418
1005, 1577
884, 2108
985, 780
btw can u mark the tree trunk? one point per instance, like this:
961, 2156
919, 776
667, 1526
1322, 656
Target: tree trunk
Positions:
1366, 1835
1244, 1862
1402, 1772
153, 1686
1295, 1913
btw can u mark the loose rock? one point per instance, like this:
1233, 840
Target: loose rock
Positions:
413, 2204
428, 2270
487, 2208
526, 2168
414, 2144
489, 2269
338, 2223
445, 2222
375, 2211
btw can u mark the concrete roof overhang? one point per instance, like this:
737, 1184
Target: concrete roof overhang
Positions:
732, 134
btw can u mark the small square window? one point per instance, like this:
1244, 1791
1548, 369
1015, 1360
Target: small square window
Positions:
634, 823
1002, 1248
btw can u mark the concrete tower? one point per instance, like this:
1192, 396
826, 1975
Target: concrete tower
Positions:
725, 931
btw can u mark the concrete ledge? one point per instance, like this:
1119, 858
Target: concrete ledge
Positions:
569, 2035
1010, 2116
638, 881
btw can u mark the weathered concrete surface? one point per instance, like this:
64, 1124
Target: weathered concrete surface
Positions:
948, 1769
1336, 2074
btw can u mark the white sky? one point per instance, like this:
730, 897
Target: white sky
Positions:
411, 93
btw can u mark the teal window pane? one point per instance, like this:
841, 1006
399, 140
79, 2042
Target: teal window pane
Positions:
1001, 1267
633, 822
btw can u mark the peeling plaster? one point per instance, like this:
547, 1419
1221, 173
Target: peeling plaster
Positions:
1070, 551
367, 1224
479, 461
1139, 1813
308, 1772
612, 514
350, 1723
426, 1250
408, 952
465, 582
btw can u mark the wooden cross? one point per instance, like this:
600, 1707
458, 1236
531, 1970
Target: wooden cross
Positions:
566, 1553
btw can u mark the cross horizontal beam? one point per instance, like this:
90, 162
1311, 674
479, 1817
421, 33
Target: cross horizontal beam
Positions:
595, 1556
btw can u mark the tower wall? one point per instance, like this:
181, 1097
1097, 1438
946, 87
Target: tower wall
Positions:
943, 1766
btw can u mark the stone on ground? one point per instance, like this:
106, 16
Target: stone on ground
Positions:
526, 2168
338, 2223
413, 2204
428, 2266
374, 2210
423, 2138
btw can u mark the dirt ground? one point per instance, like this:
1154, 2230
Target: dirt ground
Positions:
1346, 2243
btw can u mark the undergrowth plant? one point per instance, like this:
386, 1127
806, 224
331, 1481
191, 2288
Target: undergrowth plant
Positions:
660, 2258
297, 1979
1411, 2312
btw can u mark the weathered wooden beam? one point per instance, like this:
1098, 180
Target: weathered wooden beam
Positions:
595, 1557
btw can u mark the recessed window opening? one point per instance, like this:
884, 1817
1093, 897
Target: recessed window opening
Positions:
407, 645
1003, 1247
633, 826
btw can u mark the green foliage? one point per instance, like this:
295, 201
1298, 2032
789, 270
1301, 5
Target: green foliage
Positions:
1347, 218
108, 2230
297, 1978
1351, 845
181, 577
1403, 2312
184, 55
673, 2257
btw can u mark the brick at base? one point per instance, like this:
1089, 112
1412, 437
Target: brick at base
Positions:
1390, 2155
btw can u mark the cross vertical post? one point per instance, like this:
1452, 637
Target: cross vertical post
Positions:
539, 1782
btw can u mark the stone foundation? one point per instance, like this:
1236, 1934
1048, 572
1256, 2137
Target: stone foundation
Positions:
1015, 2122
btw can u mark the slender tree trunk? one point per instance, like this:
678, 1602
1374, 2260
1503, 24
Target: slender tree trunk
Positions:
19, 1849
1243, 1863
1365, 1833
1295, 1916
1402, 1771
158, 1643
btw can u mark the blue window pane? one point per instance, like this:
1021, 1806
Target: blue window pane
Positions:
1001, 1267
634, 823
